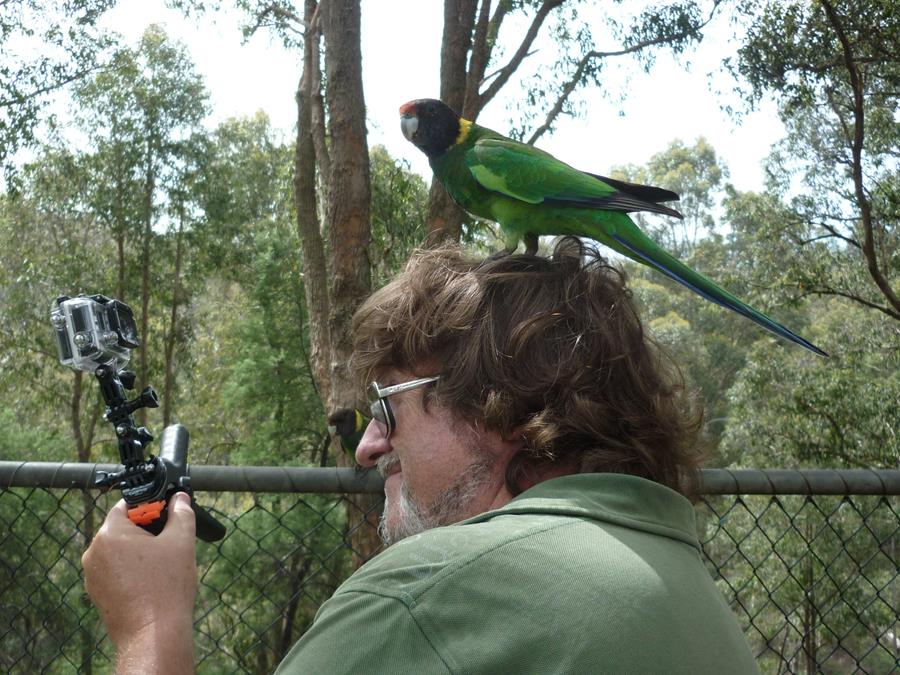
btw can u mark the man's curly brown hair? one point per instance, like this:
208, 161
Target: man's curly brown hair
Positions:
549, 348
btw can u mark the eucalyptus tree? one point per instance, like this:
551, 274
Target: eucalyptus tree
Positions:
145, 108
834, 70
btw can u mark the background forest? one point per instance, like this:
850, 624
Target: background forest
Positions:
244, 256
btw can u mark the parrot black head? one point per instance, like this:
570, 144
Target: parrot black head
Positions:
345, 421
430, 125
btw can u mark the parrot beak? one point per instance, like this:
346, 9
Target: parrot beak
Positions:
409, 123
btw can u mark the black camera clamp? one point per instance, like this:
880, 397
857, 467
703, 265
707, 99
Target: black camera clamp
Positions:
147, 482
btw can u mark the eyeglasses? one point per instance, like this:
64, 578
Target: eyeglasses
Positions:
381, 407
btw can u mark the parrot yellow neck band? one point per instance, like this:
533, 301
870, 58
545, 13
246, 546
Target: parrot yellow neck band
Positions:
464, 127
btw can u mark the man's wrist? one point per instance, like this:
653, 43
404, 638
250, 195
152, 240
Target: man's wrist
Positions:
165, 646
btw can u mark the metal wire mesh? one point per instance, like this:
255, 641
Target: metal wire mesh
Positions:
813, 579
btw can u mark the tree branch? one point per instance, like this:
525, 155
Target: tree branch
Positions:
865, 207
833, 233
855, 298
53, 86
456, 41
478, 60
507, 71
500, 13
282, 17
575, 80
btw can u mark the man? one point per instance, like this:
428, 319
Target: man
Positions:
534, 443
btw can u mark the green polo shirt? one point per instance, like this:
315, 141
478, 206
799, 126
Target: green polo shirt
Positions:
589, 573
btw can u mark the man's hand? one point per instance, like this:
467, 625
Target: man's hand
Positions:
144, 588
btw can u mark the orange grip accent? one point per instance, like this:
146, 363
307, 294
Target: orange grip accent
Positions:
144, 514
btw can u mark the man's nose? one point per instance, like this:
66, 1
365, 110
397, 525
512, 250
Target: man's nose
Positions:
372, 445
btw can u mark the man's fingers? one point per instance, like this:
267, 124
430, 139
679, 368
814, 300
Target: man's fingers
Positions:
116, 521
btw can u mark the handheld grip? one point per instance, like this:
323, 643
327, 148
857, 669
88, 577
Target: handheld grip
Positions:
152, 515
173, 446
208, 528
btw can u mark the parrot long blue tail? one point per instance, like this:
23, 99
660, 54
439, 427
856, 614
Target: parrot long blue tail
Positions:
717, 295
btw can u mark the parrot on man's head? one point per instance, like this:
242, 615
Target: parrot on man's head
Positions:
529, 193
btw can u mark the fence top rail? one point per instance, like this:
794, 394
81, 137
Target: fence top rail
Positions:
349, 480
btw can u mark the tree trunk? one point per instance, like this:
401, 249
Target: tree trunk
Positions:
348, 229
83, 441
315, 273
445, 218
144, 374
319, 124
169, 382
120, 276
297, 571
810, 613
348, 208
344, 172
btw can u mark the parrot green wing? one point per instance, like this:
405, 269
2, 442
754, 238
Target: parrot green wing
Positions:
531, 175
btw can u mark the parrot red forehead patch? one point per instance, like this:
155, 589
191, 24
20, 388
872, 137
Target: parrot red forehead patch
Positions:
408, 108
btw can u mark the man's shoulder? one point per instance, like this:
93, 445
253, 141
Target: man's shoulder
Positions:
608, 555
416, 564
552, 526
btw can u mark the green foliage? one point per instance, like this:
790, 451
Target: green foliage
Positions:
46, 45
791, 409
585, 41
46, 235
696, 175
399, 209
794, 50
26, 438
834, 71
243, 187
269, 390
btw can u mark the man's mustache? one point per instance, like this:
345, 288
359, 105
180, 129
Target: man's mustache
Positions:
387, 464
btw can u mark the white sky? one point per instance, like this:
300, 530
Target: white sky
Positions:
401, 43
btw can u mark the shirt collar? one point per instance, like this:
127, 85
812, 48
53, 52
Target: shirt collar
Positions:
618, 499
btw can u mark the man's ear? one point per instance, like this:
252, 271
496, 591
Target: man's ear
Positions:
525, 470
516, 436
513, 443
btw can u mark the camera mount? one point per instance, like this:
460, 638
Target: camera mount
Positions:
96, 334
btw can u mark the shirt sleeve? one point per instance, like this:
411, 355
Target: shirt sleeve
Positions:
363, 632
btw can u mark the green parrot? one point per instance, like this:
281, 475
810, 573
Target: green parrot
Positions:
529, 193
350, 425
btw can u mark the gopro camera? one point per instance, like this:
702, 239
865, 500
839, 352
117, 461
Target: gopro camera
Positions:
93, 331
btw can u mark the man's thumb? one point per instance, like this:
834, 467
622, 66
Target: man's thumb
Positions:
181, 515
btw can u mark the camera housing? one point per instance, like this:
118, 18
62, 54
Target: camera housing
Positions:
93, 331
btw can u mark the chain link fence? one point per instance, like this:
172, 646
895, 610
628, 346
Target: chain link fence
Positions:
808, 561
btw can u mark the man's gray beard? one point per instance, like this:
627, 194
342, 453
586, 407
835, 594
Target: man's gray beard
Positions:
451, 504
